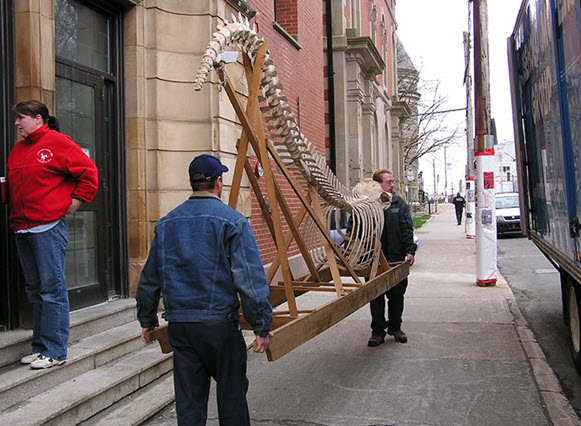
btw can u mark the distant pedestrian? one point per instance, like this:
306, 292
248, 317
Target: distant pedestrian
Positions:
204, 260
459, 203
397, 244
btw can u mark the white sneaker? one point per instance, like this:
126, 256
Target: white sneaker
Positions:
28, 359
46, 362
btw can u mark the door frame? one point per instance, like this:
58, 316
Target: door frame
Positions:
112, 173
10, 274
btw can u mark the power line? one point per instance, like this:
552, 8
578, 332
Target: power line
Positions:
436, 112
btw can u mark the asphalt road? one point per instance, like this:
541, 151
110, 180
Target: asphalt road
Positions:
536, 286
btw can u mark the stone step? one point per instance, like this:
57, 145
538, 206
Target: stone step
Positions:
137, 407
85, 395
19, 382
15, 344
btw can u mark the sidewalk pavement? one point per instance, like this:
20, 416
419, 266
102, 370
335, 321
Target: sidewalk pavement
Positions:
471, 358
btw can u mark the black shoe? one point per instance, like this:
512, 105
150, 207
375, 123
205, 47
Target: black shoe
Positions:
375, 340
398, 335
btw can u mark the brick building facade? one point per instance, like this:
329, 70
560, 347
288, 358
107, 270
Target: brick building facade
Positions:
293, 31
364, 103
121, 73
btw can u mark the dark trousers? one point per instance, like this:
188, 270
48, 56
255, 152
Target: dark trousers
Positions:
395, 298
459, 216
203, 351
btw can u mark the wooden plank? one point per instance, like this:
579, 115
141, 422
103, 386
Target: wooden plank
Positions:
330, 255
287, 242
302, 311
301, 330
311, 288
294, 230
242, 146
277, 322
318, 283
258, 143
160, 335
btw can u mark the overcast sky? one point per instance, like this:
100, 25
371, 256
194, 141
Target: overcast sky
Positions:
431, 31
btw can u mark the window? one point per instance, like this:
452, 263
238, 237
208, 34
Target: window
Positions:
286, 18
82, 35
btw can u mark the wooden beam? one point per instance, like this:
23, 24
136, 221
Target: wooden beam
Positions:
258, 143
259, 197
330, 255
301, 330
294, 230
160, 334
311, 288
318, 283
253, 87
287, 242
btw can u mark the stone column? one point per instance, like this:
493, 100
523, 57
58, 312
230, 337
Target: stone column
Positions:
355, 96
35, 51
168, 122
369, 131
139, 232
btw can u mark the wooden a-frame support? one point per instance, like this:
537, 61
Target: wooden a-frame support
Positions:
293, 327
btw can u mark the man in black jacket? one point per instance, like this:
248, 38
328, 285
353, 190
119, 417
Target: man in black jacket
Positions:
397, 241
459, 203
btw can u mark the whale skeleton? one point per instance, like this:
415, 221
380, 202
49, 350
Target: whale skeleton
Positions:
355, 254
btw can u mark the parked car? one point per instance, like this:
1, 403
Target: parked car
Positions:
507, 213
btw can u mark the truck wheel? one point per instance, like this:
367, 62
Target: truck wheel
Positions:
574, 325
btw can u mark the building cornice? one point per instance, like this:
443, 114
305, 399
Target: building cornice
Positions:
370, 56
400, 109
363, 49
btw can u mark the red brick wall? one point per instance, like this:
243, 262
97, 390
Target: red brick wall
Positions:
301, 74
287, 15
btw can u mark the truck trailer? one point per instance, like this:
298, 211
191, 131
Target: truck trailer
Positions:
544, 53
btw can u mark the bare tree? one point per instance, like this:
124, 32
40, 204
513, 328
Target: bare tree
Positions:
427, 128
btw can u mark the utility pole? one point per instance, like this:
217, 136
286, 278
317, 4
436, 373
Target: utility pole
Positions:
486, 252
445, 175
470, 223
435, 186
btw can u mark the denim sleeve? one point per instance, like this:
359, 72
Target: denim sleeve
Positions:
149, 290
250, 279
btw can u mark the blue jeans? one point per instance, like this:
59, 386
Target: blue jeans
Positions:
42, 257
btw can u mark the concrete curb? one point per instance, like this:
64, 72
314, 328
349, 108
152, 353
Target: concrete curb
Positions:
559, 410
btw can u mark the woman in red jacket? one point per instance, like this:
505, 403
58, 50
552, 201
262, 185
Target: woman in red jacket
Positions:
49, 176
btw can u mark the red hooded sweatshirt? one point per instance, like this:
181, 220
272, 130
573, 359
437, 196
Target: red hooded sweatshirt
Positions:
45, 171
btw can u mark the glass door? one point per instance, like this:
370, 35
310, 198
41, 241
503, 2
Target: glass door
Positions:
89, 108
79, 109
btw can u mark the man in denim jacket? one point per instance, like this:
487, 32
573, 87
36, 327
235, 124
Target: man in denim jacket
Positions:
204, 259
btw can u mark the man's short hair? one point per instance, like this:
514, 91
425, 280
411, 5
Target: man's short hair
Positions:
378, 174
199, 183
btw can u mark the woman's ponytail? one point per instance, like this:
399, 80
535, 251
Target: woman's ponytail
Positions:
53, 123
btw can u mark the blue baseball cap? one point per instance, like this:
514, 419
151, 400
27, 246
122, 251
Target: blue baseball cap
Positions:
208, 166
